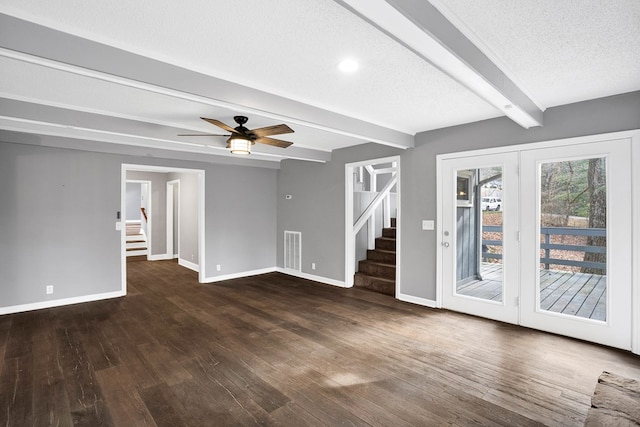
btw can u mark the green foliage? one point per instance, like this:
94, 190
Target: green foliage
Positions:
565, 188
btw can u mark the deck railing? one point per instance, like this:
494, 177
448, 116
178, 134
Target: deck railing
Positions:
547, 246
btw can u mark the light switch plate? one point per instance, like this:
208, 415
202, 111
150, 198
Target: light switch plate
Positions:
428, 224
118, 226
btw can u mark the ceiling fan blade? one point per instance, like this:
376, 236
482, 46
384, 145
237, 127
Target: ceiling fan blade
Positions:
220, 124
274, 142
271, 130
201, 134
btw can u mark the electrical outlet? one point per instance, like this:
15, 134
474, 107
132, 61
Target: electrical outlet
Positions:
49, 289
313, 265
218, 267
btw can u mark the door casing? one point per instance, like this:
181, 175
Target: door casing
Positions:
173, 193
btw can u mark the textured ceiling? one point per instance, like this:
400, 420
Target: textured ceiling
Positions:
288, 47
555, 52
559, 51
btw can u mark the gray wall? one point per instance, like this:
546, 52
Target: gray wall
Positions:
241, 219
317, 207
58, 213
133, 198
57, 224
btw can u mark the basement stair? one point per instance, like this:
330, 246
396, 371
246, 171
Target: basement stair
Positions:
378, 272
136, 243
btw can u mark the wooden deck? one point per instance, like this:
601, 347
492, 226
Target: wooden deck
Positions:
575, 294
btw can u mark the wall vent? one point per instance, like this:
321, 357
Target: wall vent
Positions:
293, 250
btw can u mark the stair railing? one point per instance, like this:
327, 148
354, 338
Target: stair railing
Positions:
355, 182
369, 213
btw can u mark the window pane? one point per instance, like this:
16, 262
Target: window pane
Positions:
573, 238
479, 235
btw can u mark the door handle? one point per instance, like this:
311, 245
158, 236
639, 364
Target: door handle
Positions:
445, 244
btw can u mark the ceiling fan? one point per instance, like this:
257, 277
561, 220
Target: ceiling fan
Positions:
241, 139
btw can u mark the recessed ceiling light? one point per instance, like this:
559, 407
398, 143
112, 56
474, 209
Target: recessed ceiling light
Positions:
348, 66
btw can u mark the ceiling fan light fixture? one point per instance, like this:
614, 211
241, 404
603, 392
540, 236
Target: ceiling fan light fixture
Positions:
239, 144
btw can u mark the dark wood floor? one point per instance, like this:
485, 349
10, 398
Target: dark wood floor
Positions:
278, 350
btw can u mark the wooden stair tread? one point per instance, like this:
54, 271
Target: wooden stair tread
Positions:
375, 284
376, 277
378, 271
386, 251
384, 264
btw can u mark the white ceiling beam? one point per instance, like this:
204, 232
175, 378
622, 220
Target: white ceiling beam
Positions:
105, 62
16, 136
420, 27
49, 120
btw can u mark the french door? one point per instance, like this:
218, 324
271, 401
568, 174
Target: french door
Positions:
576, 269
479, 238
541, 237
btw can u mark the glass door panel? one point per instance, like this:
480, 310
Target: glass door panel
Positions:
573, 238
576, 273
479, 235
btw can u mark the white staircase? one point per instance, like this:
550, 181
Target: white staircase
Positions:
136, 239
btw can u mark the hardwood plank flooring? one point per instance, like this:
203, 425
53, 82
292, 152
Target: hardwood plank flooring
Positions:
279, 350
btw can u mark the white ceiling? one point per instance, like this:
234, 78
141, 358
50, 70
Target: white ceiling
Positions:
277, 62
559, 52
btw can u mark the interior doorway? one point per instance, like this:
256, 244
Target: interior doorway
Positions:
186, 228
373, 224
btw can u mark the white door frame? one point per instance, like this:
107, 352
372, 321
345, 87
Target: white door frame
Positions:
350, 248
635, 258
201, 214
172, 186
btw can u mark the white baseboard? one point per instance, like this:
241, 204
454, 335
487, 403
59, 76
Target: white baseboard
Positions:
417, 300
313, 277
188, 264
59, 302
159, 257
238, 275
